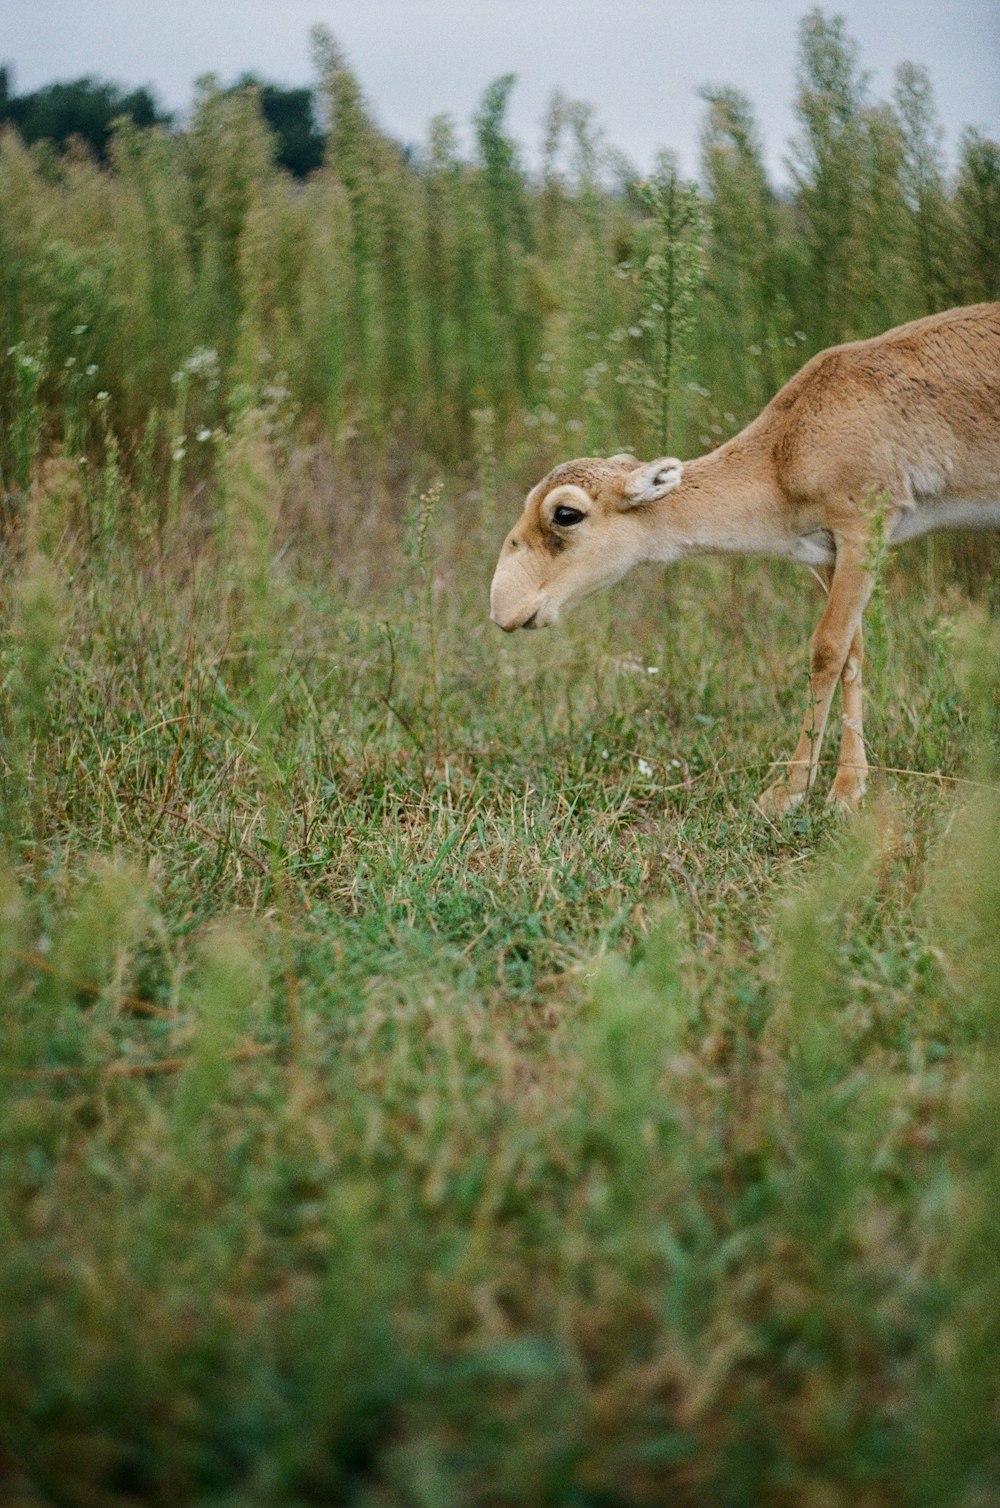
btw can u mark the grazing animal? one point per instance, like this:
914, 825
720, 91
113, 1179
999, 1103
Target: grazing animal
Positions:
873, 442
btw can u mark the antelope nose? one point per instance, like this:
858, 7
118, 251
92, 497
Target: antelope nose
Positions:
512, 626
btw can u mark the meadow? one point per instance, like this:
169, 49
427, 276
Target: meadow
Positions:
426, 1079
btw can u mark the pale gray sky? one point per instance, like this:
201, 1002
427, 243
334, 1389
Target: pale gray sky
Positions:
638, 61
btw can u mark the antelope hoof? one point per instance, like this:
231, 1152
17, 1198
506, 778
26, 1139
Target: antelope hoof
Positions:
779, 799
846, 792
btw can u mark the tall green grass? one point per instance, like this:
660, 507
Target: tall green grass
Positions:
398, 292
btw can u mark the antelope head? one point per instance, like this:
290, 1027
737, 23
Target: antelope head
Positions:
583, 527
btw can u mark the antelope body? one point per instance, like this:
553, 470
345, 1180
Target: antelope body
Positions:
878, 440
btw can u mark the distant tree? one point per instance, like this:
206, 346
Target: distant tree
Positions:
923, 181
291, 115
507, 211
84, 108
828, 171
373, 171
867, 180
977, 197
552, 204
746, 226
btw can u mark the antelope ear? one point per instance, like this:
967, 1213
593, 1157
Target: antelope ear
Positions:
647, 484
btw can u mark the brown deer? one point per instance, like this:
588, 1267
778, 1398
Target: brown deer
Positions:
873, 442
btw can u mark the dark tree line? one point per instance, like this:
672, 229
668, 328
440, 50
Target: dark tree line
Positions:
85, 109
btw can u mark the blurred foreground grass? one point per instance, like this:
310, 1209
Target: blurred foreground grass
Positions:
426, 1080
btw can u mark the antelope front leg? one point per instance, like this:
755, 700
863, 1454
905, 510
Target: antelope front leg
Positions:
851, 779
832, 643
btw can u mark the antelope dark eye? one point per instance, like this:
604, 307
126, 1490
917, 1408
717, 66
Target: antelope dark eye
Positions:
566, 516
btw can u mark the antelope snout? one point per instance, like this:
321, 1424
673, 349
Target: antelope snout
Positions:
509, 625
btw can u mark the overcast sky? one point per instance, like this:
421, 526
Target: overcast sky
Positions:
640, 62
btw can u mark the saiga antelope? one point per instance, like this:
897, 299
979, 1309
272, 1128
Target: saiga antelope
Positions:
899, 434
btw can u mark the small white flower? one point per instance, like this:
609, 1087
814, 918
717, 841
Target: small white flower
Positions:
80, 329
645, 768
92, 369
102, 396
605, 754
635, 332
203, 435
203, 359
179, 453
652, 669
70, 361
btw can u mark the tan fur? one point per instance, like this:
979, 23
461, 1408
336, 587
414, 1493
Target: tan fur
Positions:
904, 428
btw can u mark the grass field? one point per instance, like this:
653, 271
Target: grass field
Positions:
426, 1080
